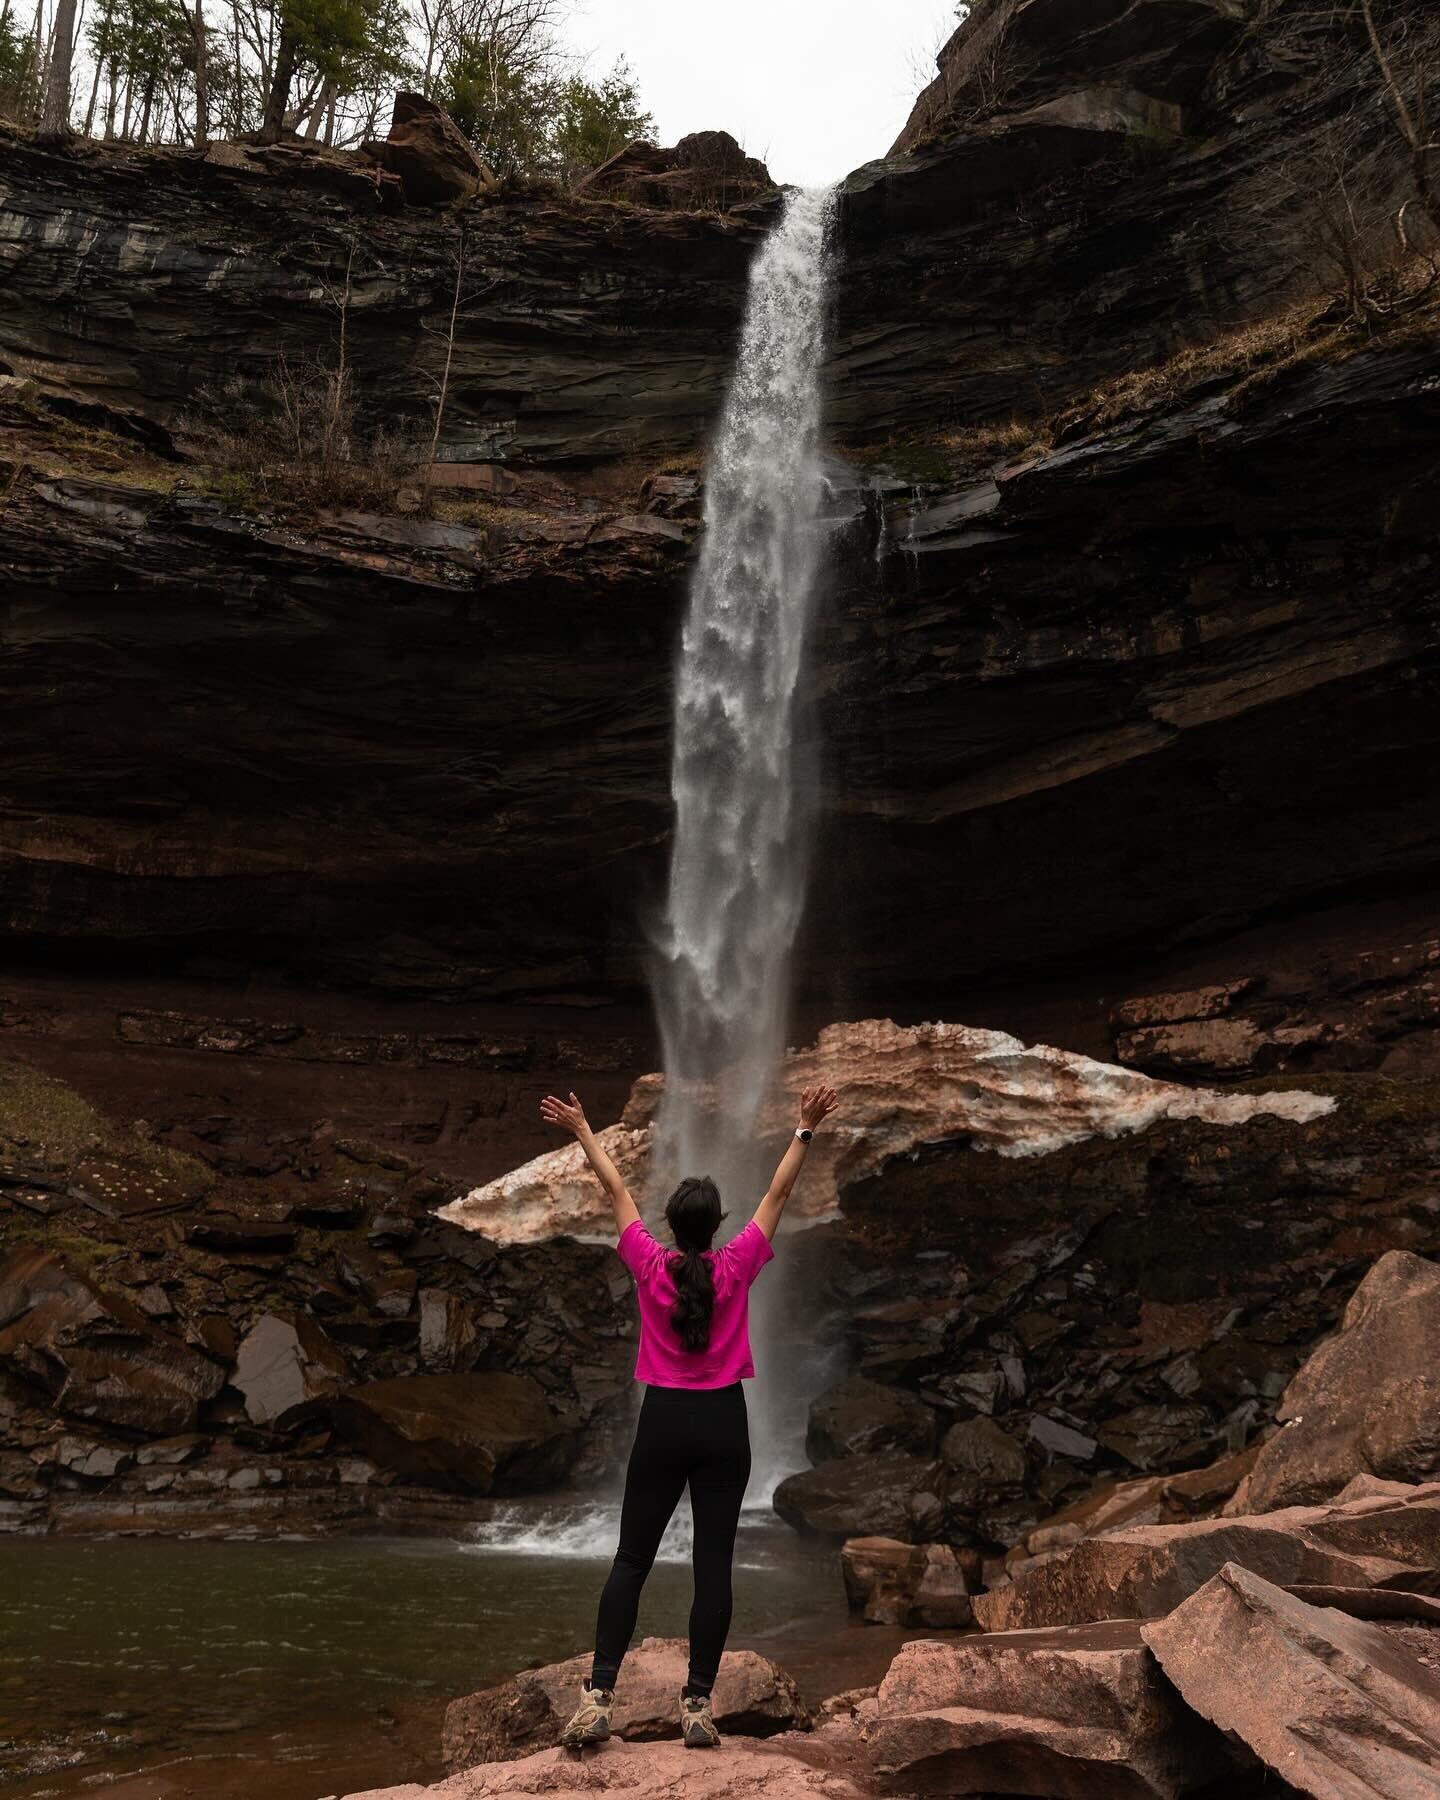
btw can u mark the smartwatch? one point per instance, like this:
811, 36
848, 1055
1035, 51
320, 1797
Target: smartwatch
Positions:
804, 1133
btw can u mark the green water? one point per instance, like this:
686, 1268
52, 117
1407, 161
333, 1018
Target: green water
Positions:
327, 1660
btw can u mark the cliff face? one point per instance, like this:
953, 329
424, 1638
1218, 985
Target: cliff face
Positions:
139, 282
1153, 626
1124, 696
1084, 191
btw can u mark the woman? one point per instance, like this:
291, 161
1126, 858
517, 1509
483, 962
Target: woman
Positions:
694, 1353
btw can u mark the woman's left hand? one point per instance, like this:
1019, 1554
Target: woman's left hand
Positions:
816, 1105
569, 1117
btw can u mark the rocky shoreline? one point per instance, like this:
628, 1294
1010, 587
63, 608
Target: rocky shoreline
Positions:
1290, 1645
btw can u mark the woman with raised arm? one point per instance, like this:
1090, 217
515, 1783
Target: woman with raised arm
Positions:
693, 1430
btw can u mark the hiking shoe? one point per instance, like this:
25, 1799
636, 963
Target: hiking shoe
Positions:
591, 1723
696, 1725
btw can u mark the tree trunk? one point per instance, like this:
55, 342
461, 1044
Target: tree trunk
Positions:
324, 103
278, 98
102, 50
148, 102
55, 105
202, 80
237, 73
37, 60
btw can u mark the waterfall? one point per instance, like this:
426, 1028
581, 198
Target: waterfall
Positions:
740, 851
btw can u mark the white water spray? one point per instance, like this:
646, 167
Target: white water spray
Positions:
740, 855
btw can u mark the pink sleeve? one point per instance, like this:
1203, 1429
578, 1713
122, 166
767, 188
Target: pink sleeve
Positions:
636, 1248
749, 1251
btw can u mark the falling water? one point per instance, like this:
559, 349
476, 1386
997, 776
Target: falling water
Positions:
740, 853
738, 866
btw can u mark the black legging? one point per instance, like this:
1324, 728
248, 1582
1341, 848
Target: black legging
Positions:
699, 1435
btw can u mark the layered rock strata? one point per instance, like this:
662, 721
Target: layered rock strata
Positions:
1175, 623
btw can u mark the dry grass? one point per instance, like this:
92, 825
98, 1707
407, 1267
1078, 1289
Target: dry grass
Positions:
46, 443
1265, 347
952, 456
1244, 361
1238, 364
290, 442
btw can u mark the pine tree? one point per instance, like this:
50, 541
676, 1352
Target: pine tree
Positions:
593, 122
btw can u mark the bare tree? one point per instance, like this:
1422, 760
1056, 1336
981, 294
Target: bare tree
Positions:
202, 78
1359, 183
1411, 116
443, 391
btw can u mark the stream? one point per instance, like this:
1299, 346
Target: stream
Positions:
151, 1669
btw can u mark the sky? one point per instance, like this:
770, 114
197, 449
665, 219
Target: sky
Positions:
813, 87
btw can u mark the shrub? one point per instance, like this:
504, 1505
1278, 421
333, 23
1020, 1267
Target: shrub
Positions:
291, 440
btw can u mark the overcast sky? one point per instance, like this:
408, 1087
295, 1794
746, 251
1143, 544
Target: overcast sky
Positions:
815, 87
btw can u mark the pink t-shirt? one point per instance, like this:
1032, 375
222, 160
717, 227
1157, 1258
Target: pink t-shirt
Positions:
663, 1360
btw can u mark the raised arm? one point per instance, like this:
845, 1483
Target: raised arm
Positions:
816, 1105
572, 1118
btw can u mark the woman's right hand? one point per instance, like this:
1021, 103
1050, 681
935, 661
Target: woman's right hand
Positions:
570, 1117
817, 1104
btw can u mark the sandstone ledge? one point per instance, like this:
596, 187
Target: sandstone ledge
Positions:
904, 1087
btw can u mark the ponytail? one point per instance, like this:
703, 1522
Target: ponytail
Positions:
694, 1299
693, 1214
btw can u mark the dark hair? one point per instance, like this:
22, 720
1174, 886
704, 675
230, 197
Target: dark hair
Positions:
693, 1214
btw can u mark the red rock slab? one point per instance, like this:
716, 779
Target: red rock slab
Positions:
827, 1764
1077, 1714
1142, 1572
753, 1696
1334, 1431
1335, 1705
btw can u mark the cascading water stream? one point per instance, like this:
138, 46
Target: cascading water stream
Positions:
740, 856
741, 844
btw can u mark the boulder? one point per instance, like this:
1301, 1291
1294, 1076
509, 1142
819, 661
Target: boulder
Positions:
704, 171
860, 1417
1160, 1435
390, 1292
1142, 1571
1076, 1713
94, 1460
1388, 1342
892, 1583
1148, 1500
485, 1434
984, 1449
1057, 1439
887, 1495
95, 1354
905, 1086
1337, 1706
432, 157
753, 1697
287, 1368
